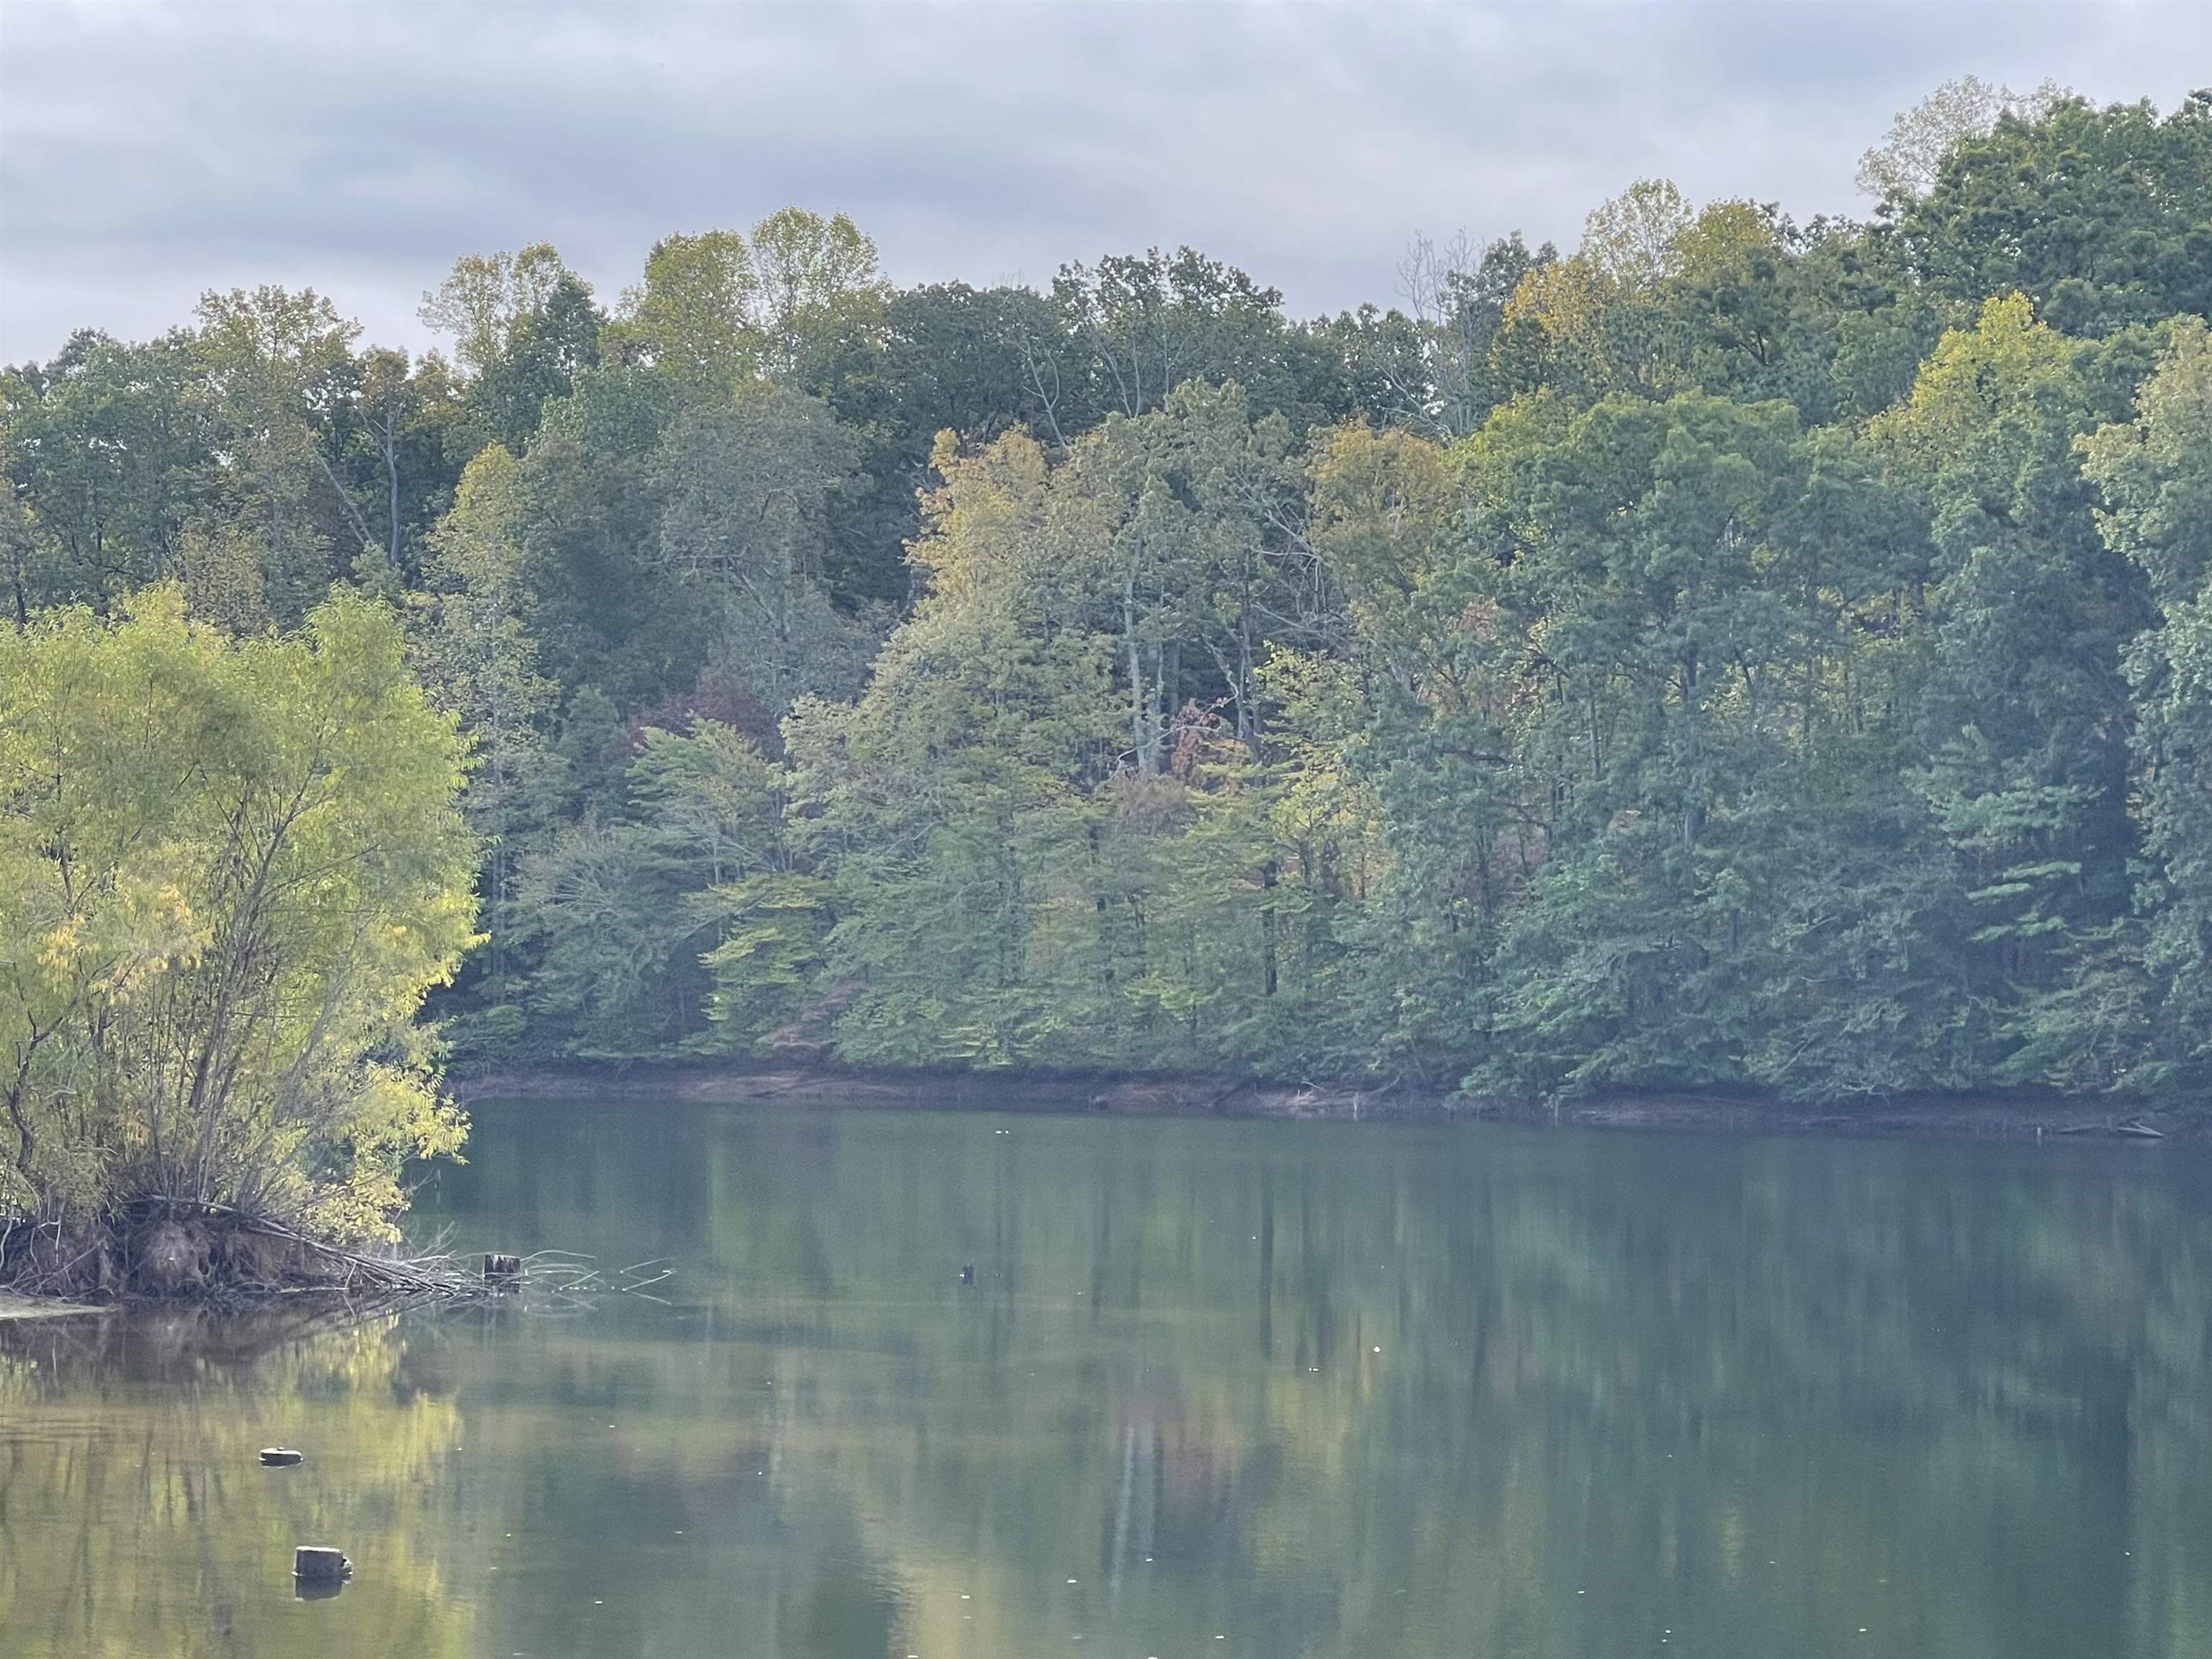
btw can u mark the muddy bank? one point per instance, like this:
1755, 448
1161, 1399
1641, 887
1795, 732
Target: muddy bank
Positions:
2021, 1117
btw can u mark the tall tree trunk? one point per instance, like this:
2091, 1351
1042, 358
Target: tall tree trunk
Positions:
391, 447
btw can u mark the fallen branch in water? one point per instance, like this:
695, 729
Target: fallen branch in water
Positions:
435, 1275
564, 1281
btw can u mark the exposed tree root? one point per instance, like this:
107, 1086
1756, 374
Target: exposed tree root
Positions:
171, 1250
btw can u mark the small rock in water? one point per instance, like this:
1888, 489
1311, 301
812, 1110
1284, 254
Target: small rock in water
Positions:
278, 1457
320, 1564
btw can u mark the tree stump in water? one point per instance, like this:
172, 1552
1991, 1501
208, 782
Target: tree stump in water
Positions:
278, 1457
502, 1269
318, 1564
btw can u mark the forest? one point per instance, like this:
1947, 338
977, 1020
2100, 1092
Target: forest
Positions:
1730, 652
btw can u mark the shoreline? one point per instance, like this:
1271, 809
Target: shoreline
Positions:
1980, 1117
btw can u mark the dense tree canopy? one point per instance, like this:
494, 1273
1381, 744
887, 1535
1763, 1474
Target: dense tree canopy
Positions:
1728, 652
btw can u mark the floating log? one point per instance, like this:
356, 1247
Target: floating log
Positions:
318, 1564
501, 1269
278, 1457
2137, 1130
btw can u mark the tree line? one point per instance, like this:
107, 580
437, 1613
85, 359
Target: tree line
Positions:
1732, 652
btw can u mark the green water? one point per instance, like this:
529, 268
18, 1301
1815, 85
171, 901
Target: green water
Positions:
1218, 1388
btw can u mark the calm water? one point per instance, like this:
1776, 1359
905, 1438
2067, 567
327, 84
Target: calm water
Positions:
1218, 1388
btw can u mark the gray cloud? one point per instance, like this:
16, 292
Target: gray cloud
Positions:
146, 154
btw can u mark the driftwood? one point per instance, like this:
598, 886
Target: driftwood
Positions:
2137, 1130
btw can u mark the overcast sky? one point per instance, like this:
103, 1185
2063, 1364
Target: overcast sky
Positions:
146, 154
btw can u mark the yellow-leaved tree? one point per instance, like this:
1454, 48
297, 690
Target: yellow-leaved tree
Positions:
230, 870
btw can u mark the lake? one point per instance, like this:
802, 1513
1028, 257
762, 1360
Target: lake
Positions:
1218, 1388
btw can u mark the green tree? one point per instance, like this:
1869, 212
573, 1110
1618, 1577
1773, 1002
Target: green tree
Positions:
1402, 748
105, 460
228, 874
750, 490
590, 495
818, 282
270, 368
2023, 712
1907, 163
1134, 327
398, 430
2103, 217
599, 910
947, 357
694, 316
523, 326
480, 662
2156, 474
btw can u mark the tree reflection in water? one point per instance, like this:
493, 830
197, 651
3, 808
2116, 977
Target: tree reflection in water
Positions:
1317, 1390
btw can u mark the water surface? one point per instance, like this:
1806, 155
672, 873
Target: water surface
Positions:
1219, 1388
